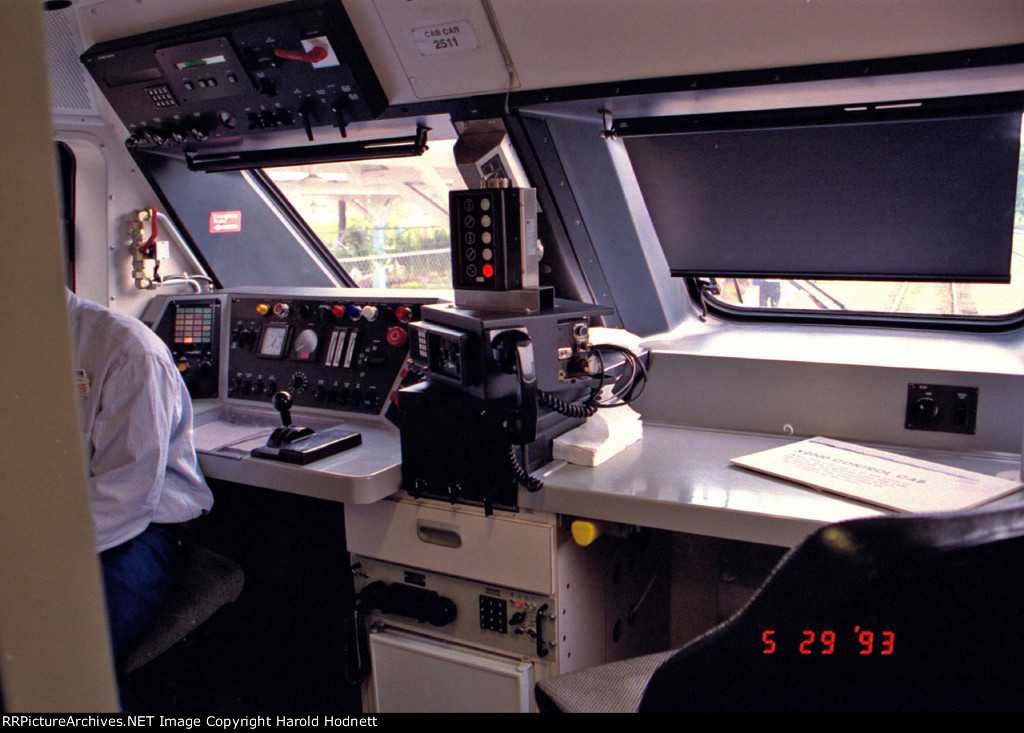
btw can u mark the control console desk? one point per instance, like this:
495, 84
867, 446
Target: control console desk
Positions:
339, 353
342, 353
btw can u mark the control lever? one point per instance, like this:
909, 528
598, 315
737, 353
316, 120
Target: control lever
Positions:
304, 112
313, 56
287, 433
293, 444
339, 117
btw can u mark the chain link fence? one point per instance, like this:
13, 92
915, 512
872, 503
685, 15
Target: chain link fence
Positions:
428, 269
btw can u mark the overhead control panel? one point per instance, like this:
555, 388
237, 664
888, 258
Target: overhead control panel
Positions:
333, 353
297, 65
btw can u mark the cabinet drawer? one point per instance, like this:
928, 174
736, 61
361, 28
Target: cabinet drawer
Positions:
513, 552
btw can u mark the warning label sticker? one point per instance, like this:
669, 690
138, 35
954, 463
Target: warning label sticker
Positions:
225, 221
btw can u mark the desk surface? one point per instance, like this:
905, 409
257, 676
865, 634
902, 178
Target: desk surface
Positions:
362, 475
681, 479
678, 479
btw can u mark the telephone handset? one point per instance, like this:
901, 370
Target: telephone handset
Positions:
513, 350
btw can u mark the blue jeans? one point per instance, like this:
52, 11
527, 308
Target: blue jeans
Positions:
138, 577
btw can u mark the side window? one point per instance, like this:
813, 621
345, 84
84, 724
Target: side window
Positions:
385, 221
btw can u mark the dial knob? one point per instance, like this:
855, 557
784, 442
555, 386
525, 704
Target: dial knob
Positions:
926, 409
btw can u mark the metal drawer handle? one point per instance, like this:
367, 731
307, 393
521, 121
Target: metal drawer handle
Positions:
439, 534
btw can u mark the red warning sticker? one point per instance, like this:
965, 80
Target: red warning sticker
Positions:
225, 221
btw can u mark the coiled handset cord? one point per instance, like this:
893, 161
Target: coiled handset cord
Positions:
530, 483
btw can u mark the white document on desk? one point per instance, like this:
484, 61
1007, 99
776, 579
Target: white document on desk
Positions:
878, 477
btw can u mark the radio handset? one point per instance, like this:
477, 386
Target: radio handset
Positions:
514, 353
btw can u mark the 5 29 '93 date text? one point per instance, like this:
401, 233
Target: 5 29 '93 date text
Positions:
826, 642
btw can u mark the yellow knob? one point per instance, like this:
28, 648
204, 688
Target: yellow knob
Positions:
263, 309
584, 532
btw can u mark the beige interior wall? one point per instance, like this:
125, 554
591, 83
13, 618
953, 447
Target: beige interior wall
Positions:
54, 649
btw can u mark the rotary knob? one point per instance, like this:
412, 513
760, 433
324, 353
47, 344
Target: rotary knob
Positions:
926, 410
298, 383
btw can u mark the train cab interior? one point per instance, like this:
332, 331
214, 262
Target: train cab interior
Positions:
519, 334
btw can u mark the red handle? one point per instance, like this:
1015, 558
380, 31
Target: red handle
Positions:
312, 56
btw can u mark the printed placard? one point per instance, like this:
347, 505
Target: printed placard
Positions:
443, 38
878, 477
222, 222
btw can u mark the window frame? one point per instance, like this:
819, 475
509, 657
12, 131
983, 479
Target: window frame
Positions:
727, 312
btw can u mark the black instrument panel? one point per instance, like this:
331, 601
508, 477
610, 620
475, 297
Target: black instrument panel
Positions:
289, 66
334, 349
333, 353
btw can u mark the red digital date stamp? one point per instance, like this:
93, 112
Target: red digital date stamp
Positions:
825, 642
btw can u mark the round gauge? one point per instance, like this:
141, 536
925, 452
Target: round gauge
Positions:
304, 348
273, 341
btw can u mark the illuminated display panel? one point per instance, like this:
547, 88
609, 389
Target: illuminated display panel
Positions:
193, 325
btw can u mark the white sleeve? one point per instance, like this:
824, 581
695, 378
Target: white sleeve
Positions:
131, 435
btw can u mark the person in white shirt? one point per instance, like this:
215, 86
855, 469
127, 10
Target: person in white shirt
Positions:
144, 478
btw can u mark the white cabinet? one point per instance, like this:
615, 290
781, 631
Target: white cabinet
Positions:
527, 602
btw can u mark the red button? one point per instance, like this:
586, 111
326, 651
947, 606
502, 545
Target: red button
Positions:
487, 270
397, 336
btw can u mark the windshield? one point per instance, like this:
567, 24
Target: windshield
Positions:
386, 221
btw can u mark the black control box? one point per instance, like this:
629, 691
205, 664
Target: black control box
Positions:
942, 408
458, 448
456, 346
482, 419
494, 239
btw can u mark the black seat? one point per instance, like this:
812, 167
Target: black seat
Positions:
209, 582
896, 613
